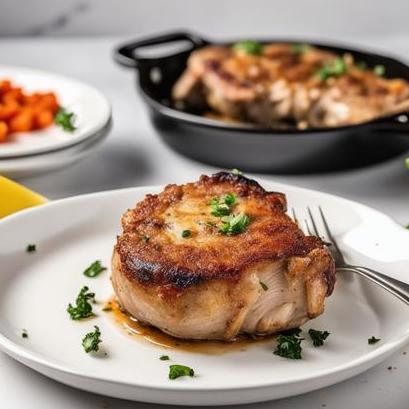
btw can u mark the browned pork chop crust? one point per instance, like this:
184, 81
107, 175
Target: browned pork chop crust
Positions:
167, 258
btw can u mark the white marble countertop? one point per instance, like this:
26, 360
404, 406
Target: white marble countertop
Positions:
133, 155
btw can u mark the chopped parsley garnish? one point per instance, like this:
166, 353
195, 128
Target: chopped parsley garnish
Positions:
176, 371
186, 233
164, 358
83, 308
379, 70
24, 333
264, 286
249, 47
234, 224
373, 340
289, 345
94, 269
65, 120
318, 337
407, 227
145, 238
236, 172
31, 248
300, 48
221, 206
334, 68
92, 340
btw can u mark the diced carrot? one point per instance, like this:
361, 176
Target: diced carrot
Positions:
23, 122
5, 85
15, 94
43, 119
24, 112
4, 129
8, 110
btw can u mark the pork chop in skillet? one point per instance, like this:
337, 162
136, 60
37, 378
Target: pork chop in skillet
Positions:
286, 84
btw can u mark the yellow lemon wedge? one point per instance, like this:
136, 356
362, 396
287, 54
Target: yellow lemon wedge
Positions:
14, 197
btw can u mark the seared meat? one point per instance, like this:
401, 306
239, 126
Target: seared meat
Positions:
209, 285
283, 86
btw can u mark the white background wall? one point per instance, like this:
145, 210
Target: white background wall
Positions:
333, 19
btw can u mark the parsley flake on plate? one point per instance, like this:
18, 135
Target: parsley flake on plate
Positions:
234, 224
31, 248
65, 120
373, 340
92, 340
186, 233
176, 371
289, 344
24, 333
94, 269
318, 337
83, 308
164, 358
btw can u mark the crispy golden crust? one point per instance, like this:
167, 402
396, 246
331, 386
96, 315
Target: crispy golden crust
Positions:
169, 260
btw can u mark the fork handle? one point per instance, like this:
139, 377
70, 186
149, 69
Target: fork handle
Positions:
396, 287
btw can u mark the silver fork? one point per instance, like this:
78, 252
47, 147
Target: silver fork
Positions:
395, 287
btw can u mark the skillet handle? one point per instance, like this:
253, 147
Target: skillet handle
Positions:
125, 54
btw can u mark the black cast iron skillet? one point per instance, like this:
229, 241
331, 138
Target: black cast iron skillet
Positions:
252, 148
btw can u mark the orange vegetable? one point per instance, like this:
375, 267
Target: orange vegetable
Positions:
23, 112
3, 131
22, 122
44, 118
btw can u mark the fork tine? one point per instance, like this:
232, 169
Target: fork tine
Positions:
314, 225
327, 229
307, 226
295, 218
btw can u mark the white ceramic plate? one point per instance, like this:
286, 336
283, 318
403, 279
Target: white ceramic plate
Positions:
46, 162
35, 289
91, 108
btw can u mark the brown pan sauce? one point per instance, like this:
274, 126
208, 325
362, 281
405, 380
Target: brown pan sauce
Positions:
155, 336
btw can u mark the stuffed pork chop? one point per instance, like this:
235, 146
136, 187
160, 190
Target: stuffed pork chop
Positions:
219, 257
